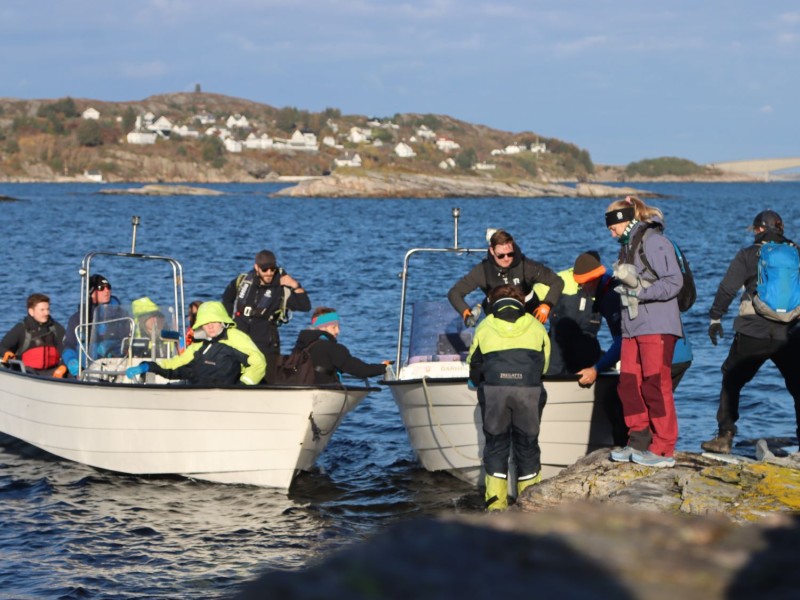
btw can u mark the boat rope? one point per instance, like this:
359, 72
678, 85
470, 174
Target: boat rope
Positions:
435, 420
317, 433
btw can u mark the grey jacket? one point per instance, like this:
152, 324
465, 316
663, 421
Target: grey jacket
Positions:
658, 306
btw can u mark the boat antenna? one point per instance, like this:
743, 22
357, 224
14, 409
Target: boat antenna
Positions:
135, 221
456, 214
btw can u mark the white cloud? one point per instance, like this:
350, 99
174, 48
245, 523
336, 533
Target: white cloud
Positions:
788, 38
767, 108
791, 18
154, 68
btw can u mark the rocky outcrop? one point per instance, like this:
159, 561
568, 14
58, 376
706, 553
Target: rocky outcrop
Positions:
741, 489
164, 190
713, 527
409, 185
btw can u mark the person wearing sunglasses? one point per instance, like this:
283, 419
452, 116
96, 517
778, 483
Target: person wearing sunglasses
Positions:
262, 300
100, 298
506, 265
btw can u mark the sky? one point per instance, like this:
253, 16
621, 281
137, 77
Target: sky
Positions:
627, 80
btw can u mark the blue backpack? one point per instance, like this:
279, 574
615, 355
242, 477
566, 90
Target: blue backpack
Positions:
777, 294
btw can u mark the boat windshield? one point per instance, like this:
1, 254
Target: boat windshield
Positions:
437, 334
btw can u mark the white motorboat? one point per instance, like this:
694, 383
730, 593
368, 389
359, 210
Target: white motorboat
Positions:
441, 414
256, 435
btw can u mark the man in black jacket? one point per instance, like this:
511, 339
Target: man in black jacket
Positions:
757, 338
37, 340
260, 301
506, 265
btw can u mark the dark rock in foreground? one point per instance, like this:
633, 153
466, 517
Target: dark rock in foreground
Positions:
577, 551
597, 530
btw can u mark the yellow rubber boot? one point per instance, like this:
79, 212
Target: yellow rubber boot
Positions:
528, 482
496, 493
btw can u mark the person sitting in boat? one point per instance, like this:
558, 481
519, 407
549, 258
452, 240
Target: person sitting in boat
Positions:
329, 357
106, 338
262, 300
192, 317
148, 325
506, 265
38, 340
509, 353
222, 355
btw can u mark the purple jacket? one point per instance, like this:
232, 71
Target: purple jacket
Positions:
658, 306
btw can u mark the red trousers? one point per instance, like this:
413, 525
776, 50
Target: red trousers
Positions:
645, 389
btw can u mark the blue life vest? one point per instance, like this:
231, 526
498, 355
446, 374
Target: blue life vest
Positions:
778, 291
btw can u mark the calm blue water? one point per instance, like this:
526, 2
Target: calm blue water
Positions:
72, 532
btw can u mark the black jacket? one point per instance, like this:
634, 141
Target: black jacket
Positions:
255, 313
743, 272
523, 273
331, 358
50, 334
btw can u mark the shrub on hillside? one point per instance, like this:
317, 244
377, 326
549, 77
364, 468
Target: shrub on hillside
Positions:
666, 165
90, 134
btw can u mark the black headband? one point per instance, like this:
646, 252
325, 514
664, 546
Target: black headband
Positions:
620, 215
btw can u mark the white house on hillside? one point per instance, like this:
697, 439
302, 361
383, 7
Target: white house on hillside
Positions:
141, 137
162, 126
237, 121
348, 161
358, 135
232, 145
303, 141
91, 113
447, 145
184, 131
403, 150
254, 142
425, 133
205, 118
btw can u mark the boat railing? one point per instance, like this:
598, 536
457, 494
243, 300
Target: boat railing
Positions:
455, 249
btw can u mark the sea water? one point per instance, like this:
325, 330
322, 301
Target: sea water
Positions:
70, 531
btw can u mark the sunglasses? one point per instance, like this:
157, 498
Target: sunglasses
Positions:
100, 288
506, 255
268, 267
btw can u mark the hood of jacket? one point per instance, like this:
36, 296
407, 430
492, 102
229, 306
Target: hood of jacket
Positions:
505, 328
212, 312
518, 258
308, 336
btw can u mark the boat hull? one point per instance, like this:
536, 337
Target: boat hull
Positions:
241, 435
445, 428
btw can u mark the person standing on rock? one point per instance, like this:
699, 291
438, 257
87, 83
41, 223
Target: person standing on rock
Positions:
506, 265
651, 325
758, 336
509, 354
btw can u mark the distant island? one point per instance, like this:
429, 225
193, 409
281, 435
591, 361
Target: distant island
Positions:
210, 138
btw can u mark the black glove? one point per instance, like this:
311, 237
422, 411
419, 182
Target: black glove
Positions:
715, 331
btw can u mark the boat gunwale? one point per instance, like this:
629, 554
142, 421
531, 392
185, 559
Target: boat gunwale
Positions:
190, 387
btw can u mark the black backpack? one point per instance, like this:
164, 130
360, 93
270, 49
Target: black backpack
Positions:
296, 368
688, 293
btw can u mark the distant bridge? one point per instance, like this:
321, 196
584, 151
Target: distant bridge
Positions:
763, 167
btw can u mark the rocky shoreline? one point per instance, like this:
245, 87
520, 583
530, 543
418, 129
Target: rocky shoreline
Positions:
712, 527
410, 185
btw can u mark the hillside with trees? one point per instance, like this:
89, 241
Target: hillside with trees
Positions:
48, 140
